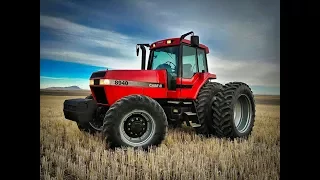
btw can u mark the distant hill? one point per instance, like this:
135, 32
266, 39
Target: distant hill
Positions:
64, 88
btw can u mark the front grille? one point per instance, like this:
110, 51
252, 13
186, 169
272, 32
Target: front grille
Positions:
99, 74
100, 94
96, 81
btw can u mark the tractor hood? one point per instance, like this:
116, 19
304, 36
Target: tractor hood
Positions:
109, 86
131, 77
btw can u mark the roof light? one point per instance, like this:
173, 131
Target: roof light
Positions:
153, 45
169, 41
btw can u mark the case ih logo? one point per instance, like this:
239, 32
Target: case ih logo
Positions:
155, 85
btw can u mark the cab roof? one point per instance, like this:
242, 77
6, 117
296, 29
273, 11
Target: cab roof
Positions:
174, 42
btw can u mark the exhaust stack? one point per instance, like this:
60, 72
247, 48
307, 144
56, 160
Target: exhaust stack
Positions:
143, 56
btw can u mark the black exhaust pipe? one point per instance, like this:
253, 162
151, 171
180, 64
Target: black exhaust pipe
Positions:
194, 39
143, 56
185, 35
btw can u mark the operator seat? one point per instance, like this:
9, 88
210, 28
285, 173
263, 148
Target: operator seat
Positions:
187, 71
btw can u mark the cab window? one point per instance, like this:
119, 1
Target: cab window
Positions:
189, 61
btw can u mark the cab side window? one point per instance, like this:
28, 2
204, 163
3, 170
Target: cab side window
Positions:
189, 61
202, 60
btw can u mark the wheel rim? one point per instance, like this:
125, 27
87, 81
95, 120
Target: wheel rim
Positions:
242, 112
137, 128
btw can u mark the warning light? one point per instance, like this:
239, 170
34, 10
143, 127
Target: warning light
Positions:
154, 45
168, 41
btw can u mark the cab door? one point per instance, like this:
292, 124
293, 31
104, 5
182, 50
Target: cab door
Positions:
193, 64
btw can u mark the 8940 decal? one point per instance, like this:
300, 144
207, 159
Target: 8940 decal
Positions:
135, 83
121, 82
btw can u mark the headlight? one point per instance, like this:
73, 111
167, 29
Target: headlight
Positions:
104, 82
101, 82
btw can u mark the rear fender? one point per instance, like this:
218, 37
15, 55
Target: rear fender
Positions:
191, 87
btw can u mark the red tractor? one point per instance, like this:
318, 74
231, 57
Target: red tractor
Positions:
133, 108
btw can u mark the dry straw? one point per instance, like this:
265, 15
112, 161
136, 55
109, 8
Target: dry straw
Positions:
67, 153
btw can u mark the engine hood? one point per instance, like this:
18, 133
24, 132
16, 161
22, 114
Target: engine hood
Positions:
151, 76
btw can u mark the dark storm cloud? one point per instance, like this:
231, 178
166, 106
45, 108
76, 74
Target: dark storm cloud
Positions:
243, 30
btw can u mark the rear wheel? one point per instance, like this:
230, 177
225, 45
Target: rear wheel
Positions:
206, 107
135, 121
237, 110
91, 127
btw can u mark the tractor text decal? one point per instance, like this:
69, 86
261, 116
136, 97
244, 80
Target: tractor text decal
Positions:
155, 85
135, 83
121, 82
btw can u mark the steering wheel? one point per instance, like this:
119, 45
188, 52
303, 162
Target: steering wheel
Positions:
165, 66
168, 62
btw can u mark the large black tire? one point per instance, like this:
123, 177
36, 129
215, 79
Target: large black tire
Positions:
87, 126
237, 100
206, 107
134, 109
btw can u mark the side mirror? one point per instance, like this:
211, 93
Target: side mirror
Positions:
137, 49
195, 41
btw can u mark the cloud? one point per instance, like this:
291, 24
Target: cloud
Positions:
245, 30
254, 73
70, 28
89, 59
243, 37
68, 31
72, 37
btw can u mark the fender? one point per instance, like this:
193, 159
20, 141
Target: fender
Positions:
191, 87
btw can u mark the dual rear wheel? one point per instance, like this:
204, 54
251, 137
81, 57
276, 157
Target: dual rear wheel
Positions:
226, 110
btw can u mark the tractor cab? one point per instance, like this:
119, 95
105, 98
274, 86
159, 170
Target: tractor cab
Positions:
181, 58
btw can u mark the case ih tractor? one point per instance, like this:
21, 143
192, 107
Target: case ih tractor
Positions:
133, 108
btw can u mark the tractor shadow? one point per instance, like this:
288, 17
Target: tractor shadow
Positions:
183, 129
98, 136
182, 133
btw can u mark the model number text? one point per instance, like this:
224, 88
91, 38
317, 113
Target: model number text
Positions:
120, 82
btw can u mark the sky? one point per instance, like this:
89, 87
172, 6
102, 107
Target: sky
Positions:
78, 37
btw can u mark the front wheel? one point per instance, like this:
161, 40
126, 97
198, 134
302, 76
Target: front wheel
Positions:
237, 111
135, 121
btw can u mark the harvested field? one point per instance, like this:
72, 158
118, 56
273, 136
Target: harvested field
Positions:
67, 153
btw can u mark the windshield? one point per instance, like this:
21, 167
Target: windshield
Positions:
166, 58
